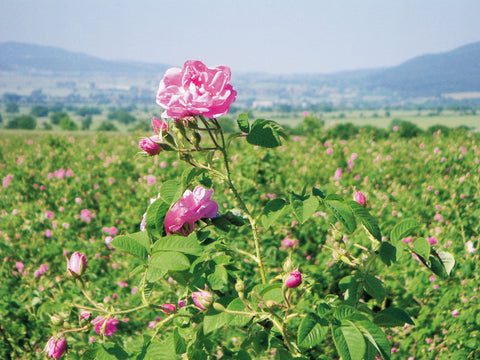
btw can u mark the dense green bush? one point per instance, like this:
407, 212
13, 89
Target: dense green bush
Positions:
27, 122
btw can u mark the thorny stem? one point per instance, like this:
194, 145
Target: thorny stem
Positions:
253, 223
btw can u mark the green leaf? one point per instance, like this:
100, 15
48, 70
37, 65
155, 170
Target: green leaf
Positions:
374, 287
312, 330
441, 263
190, 174
130, 245
421, 247
343, 312
154, 274
186, 245
403, 229
367, 220
349, 341
272, 211
109, 351
155, 218
160, 351
243, 122
266, 133
303, 207
388, 253
170, 261
219, 278
238, 319
392, 317
171, 191
350, 286
214, 322
376, 337
343, 213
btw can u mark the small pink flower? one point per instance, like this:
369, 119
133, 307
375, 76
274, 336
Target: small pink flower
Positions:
196, 90
288, 243
192, 207
109, 327
85, 215
338, 174
294, 279
168, 308
56, 347
455, 313
202, 299
360, 198
77, 264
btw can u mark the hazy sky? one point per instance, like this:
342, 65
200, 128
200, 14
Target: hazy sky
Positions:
276, 36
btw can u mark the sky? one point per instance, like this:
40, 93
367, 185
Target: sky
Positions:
274, 36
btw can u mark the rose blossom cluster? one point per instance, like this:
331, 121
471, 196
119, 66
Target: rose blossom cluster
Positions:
193, 206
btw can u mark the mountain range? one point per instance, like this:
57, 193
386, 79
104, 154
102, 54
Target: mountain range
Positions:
428, 75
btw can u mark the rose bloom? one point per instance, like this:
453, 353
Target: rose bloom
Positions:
360, 198
196, 90
56, 347
110, 327
77, 264
192, 207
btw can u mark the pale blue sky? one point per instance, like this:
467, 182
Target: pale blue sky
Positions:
281, 36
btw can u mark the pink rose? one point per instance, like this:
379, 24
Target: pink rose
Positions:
110, 326
196, 90
150, 146
192, 207
77, 264
56, 347
168, 308
202, 299
360, 198
294, 279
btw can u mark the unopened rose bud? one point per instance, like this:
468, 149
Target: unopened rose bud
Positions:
219, 307
168, 308
294, 279
85, 318
77, 264
56, 347
202, 299
288, 265
151, 147
360, 198
240, 286
270, 304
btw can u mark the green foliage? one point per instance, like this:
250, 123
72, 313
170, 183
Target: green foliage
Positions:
121, 115
107, 126
406, 129
67, 124
26, 122
12, 108
39, 111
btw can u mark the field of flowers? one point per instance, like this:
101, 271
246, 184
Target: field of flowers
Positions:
62, 194
328, 243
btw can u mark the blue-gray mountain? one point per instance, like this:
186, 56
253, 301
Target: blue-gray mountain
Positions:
457, 70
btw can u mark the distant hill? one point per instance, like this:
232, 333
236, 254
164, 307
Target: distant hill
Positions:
457, 70
37, 59
454, 71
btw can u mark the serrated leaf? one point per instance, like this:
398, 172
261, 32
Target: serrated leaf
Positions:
376, 337
219, 278
171, 191
190, 174
421, 247
303, 208
243, 122
345, 312
183, 244
403, 229
238, 319
154, 274
266, 133
388, 253
272, 211
349, 341
130, 245
392, 317
155, 219
367, 220
109, 351
312, 330
170, 261
441, 263
447, 259
160, 351
343, 213
374, 287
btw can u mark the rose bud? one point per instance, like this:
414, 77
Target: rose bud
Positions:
202, 299
294, 279
360, 198
56, 347
168, 308
77, 264
149, 146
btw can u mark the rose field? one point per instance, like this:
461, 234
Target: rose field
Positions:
196, 244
